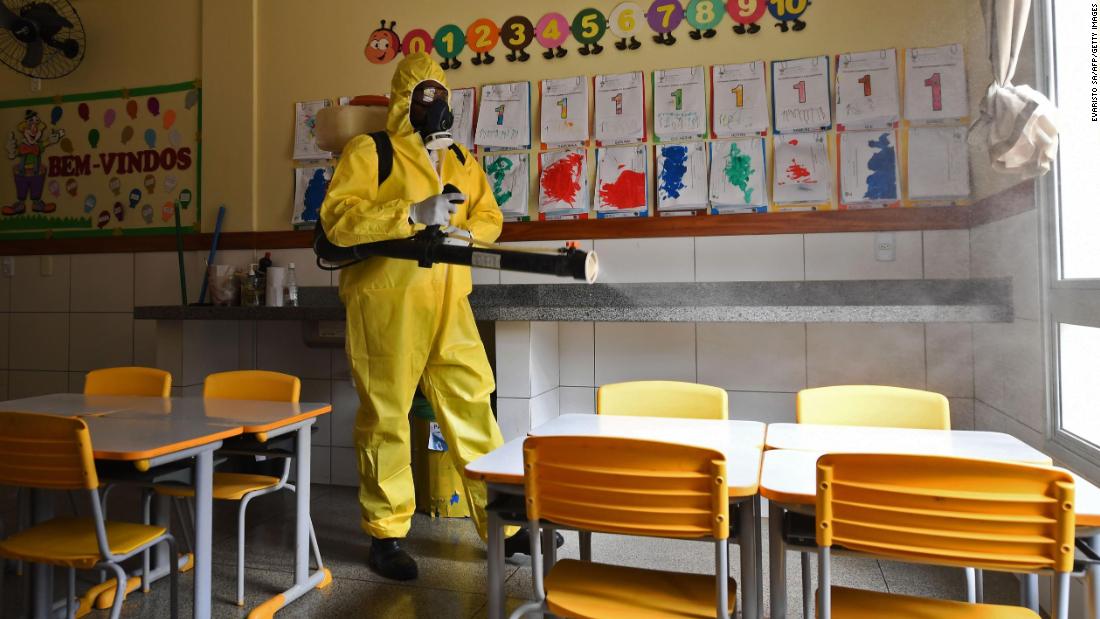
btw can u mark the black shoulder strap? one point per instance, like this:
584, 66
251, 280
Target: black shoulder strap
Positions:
384, 148
458, 153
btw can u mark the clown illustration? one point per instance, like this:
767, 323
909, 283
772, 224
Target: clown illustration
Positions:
26, 146
383, 44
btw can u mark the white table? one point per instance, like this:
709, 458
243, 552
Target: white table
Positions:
740, 441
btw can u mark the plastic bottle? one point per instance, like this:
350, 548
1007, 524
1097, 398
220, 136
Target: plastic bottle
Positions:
291, 286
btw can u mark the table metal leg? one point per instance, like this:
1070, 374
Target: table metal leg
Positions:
204, 486
496, 562
777, 562
807, 585
1092, 582
752, 586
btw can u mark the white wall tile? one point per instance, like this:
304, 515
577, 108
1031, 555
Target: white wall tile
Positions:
306, 270
191, 391
76, 382
644, 351
1008, 370
319, 391
769, 257
4, 325
33, 292
145, 343
513, 417
345, 467
320, 465
239, 258
485, 277
752, 356
577, 400
100, 340
962, 413
515, 277
544, 357
208, 346
576, 360
1010, 248
280, 348
863, 353
341, 369
513, 359
851, 255
157, 277
646, 260
950, 353
246, 344
39, 342
991, 419
345, 405
768, 407
102, 283
946, 254
544, 408
25, 384
169, 349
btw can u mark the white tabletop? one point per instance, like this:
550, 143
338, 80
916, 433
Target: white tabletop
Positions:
76, 404
148, 437
252, 415
864, 439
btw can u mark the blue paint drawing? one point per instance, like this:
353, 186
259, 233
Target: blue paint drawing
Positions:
454, 499
882, 183
315, 195
674, 169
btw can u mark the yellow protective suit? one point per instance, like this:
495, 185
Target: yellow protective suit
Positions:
406, 324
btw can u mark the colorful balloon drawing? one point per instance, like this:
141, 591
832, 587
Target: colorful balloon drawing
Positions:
185, 198
135, 197
169, 182
174, 137
89, 203
54, 187
481, 37
449, 41
191, 99
82, 111
103, 219
71, 187
663, 17
127, 133
789, 14
150, 183
114, 184
625, 22
153, 105
167, 211
745, 14
551, 31
418, 40
151, 138
55, 114
67, 145
109, 117
518, 32
147, 213
132, 108
93, 137
588, 27
169, 119
703, 16
382, 44
120, 213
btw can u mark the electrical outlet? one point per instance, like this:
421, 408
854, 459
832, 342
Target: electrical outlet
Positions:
885, 247
9, 266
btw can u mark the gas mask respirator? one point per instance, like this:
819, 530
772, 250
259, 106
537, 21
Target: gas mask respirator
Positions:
435, 126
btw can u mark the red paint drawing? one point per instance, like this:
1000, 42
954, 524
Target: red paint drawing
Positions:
798, 172
628, 190
561, 180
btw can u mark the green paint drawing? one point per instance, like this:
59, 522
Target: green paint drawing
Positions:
739, 170
498, 171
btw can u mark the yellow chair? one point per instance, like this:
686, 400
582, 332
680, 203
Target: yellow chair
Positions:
942, 511
243, 487
662, 398
873, 405
48, 452
630, 487
138, 381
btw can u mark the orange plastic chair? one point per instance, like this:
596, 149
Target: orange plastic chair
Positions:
942, 511
630, 487
139, 381
49, 452
662, 398
873, 405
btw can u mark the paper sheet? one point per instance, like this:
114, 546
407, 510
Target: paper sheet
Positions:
564, 111
679, 103
939, 163
740, 101
462, 106
310, 186
510, 178
738, 177
305, 136
802, 170
620, 108
867, 90
935, 83
800, 91
622, 181
563, 182
504, 116
681, 176
868, 164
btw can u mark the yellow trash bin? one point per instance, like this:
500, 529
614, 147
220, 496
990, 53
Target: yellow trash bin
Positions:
438, 481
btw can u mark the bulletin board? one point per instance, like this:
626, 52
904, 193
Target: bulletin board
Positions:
110, 163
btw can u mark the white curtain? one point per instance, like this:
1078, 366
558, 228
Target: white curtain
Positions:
1022, 122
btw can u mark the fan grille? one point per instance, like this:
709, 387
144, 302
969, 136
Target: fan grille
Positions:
54, 62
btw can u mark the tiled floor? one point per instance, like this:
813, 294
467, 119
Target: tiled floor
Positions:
452, 567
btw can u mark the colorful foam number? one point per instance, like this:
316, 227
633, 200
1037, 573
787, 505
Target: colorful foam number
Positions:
589, 26
417, 41
481, 37
745, 14
788, 14
703, 16
625, 22
551, 31
517, 32
382, 44
663, 17
449, 41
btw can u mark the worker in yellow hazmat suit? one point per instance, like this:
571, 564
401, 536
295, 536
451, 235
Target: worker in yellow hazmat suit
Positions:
408, 325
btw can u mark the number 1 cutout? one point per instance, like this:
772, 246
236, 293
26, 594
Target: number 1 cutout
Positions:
500, 114
678, 95
563, 103
866, 81
618, 99
937, 95
801, 88
739, 92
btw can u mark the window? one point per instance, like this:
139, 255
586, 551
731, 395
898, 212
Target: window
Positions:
1067, 33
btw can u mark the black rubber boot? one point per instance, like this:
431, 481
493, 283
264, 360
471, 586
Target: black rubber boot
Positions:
388, 559
521, 543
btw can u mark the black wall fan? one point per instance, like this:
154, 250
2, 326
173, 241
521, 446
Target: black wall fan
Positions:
41, 38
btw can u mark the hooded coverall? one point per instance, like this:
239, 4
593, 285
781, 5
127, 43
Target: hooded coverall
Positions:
407, 324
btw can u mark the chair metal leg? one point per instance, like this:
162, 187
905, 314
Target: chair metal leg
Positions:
971, 585
70, 593
173, 576
807, 585
146, 518
315, 546
120, 590
979, 586
585, 539
185, 524
240, 548
824, 583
